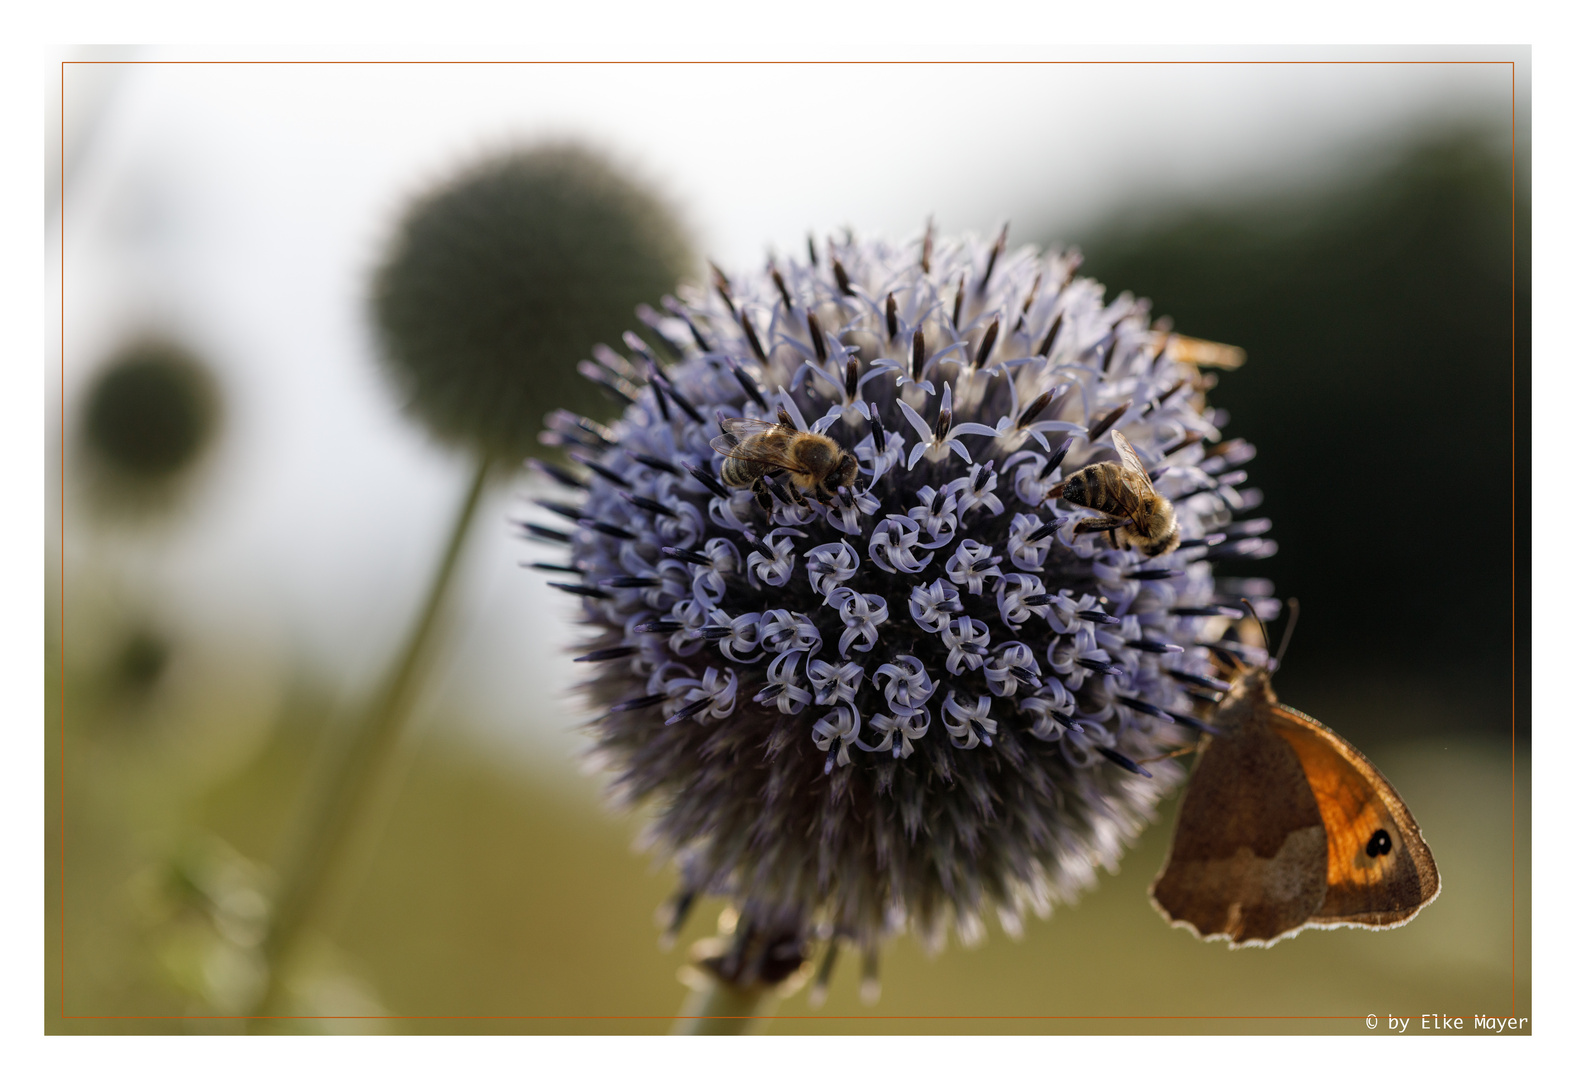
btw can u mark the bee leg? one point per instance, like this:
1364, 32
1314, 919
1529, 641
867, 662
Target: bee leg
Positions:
763, 495
1101, 524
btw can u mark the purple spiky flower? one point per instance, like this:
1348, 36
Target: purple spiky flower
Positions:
930, 697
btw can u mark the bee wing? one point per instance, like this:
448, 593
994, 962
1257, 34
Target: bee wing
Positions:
740, 428
1135, 484
1136, 472
736, 430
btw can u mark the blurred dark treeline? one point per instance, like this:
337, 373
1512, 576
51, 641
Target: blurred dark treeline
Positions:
1378, 317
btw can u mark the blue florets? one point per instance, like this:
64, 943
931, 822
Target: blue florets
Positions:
931, 694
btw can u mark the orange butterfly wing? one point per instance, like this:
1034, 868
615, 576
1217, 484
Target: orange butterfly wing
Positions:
1379, 871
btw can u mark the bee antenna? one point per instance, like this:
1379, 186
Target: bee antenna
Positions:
1291, 624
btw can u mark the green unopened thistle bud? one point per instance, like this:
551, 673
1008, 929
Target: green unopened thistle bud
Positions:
150, 413
500, 280
495, 286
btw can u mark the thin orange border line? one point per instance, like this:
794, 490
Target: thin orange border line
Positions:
793, 63
1515, 585
61, 657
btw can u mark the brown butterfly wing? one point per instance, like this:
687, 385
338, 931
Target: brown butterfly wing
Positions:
1395, 882
1247, 860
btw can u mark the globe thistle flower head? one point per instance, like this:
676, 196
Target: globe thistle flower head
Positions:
931, 695
498, 281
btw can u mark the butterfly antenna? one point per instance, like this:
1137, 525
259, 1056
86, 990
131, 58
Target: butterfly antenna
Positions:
1264, 634
1291, 624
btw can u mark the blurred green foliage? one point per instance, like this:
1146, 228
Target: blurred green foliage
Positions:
1378, 321
493, 902
499, 281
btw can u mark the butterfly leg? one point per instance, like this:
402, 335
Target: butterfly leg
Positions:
1166, 757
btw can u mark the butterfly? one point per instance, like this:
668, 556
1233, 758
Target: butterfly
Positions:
1286, 825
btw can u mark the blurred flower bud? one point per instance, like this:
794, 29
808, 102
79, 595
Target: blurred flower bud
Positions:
150, 413
501, 280
141, 659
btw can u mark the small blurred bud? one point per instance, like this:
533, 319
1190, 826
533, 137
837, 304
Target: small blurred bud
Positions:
151, 412
497, 283
142, 658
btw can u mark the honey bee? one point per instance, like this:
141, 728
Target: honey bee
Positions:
1136, 514
757, 450
1200, 353
1196, 355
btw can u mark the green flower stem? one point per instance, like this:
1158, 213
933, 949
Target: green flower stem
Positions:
720, 1008
341, 800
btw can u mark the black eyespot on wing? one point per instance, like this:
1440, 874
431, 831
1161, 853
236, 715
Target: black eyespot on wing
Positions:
1379, 844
